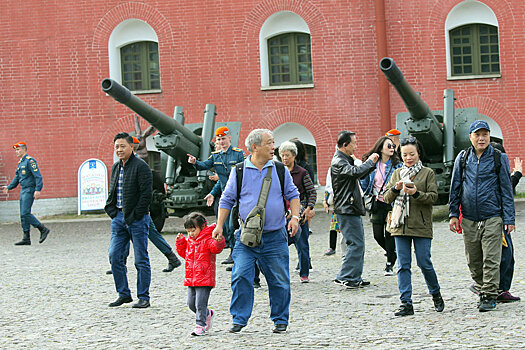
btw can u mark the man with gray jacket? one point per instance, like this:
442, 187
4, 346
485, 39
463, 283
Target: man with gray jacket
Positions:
483, 189
349, 207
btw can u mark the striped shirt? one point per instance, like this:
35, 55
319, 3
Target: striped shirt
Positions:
119, 187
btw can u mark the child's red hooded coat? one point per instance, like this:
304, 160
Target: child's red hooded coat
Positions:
200, 257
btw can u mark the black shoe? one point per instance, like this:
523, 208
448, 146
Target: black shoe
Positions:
120, 301
439, 304
355, 285
141, 304
173, 262
280, 328
405, 309
44, 231
109, 272
23, 242
229, 260
236, 328
256, 284
229, 268
339, 282
486, 304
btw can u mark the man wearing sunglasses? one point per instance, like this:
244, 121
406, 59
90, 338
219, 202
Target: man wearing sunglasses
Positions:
485, 196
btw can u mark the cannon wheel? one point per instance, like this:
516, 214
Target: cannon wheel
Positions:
157, 208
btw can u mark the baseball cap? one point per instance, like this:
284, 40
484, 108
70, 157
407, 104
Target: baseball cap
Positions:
222, 131
18, 144
478, 124
135, 140
393, 132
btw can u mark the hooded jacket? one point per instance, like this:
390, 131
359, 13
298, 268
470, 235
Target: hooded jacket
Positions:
199, 255
483, 194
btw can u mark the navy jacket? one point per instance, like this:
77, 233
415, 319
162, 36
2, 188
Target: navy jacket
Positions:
481, 195
136, 190
27, 175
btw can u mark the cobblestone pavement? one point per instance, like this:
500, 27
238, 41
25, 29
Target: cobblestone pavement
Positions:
55, 295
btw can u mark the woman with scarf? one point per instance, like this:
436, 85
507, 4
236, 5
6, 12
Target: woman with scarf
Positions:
413, 189
375, 184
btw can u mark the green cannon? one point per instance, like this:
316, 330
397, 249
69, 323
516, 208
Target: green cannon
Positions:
182, 188
443, 133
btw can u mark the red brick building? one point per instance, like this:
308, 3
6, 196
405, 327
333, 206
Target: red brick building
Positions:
299, 67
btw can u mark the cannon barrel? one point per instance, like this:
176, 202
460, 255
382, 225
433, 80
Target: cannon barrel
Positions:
417, 108
164, 124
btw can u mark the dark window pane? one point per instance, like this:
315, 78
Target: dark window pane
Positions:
493, 39
276, 79
275, 59
485, 59
137, 76
274, 42
456, 41
484, 49
495, 68
494, 49
467, 59
485, 68
494, 58
285, 59
274, 50
465, 31
456, 50
136, 66
467, 69
484, 39
286, 78
285, 69
457, 70
493, 30
456, 60
467, 50
483, 30
284, 50
138, 85
275, 69
155, 84
284, 40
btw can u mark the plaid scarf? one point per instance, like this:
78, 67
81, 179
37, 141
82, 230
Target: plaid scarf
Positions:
401, 205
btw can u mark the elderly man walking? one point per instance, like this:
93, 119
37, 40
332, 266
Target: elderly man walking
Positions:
128, 206
481, 185
272, 253
349, 207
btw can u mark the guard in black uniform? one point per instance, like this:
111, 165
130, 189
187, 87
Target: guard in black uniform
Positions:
30, 180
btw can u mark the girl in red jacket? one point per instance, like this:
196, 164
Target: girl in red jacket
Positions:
199, 251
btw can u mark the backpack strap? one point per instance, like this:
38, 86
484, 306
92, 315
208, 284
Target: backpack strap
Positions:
280, 174
239, 169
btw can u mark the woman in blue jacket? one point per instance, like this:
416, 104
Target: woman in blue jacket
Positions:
375, 184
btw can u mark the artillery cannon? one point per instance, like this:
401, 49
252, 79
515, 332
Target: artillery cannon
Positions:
443, 133
185, 187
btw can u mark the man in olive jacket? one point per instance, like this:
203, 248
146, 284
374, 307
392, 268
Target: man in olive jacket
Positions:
349, 207
128, 206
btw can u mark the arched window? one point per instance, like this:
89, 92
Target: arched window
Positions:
134, 56
472, 41
285, 51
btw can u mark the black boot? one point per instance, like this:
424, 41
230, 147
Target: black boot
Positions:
439, 304
173, 261
229, 259
26, 240
405, 309
44, 231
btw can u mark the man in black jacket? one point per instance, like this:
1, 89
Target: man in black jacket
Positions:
349, 207
128, 206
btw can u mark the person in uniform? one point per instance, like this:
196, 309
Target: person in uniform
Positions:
222, 160
30, 180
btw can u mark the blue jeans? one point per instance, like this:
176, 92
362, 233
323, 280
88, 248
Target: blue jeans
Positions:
273, 260
404, 259
229, 232
506, 266
303, 250
121, 234
352, 229
26, 202
156, 238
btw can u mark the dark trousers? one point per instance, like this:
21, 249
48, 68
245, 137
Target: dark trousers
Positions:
506, 266
198, 303
386, 241
27, 197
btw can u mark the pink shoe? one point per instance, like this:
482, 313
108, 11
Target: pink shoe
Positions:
209, 319
304, 279
199, 330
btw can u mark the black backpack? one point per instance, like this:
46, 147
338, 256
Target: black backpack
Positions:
466, 154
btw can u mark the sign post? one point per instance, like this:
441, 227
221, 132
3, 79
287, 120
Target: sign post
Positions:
92, 185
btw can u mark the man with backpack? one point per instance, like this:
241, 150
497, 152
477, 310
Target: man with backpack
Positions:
481, 185
260, 179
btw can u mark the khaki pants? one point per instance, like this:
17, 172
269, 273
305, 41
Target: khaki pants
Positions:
483, 241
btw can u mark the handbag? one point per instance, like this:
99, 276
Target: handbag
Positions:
371, 205
252, 227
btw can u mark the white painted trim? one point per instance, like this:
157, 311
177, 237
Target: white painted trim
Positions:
278, 23
466, 12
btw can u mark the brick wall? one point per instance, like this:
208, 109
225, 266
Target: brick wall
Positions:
54, 57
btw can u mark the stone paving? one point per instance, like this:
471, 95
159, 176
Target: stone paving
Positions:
55, 296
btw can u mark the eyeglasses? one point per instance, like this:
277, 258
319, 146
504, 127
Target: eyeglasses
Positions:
410, 140
391, 146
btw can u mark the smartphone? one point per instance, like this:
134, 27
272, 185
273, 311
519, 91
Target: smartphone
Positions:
409, 184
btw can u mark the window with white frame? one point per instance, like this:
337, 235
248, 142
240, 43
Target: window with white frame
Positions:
285, 52
471, 31
134, 56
